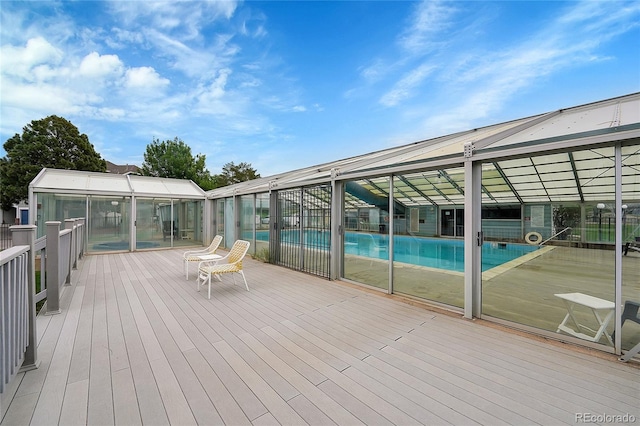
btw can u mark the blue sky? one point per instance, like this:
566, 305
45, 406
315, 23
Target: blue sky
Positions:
288, 84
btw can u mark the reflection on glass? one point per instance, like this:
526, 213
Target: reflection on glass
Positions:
567, 284
366, 222
229, 226
262, 226
187, 222
153, 222
220, 219
630, 246
248, 220
428, 255
58, 207
109, 221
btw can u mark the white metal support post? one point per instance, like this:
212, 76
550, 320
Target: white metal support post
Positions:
133, 223
274, 223
70, 224
254, 223
337, 230
237, 210
617, 344
390, 233
301, 228
473, 238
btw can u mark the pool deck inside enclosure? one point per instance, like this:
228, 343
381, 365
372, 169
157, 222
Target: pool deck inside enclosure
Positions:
522, 290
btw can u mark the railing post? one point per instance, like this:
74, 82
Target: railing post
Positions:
53, 266
76, 242
83, 234
25, 235
70, 224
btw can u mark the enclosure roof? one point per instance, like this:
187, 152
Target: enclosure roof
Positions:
576, 167
82, 182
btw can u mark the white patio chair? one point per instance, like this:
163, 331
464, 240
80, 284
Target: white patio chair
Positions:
231, 263
202, 254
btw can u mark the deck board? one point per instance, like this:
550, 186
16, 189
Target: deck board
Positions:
54, 386
74, 406
100, 393
149, 401
135, 343
595, 385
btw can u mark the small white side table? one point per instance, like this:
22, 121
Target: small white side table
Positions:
598, 306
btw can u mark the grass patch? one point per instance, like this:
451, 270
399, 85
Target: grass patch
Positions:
263, 255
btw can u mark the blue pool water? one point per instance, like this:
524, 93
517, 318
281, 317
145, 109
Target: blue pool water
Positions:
123, 245
431, 252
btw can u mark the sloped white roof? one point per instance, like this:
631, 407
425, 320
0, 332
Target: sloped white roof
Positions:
95, 183
513, 169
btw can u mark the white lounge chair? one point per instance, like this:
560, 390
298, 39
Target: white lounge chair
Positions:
202, 254
231, 263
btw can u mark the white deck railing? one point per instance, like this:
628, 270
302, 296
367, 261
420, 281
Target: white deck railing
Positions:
14, 308
59, 252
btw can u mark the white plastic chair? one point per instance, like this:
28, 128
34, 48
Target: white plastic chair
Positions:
196, 255
231, 263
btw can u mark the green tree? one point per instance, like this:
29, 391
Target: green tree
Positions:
173, 159
52, 142
232, 173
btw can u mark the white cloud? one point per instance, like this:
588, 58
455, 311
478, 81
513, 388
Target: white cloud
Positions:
425, 34
120, 38
184, 19
100, 66
375, 71
299, 108
144, 78
430, 19
19, 61
486, 81
216, 90
407, 86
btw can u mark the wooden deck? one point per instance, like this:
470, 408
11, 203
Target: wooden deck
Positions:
136, 344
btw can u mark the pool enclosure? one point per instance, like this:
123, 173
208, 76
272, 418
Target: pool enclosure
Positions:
534, 223
123, 212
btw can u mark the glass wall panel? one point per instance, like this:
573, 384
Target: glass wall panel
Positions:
167, 221
219, 225
262, 232
109, 223
229, 224
366, 239
58, 207
425, 264
248, 220
187, 219
631, 246
153, 227
560, 269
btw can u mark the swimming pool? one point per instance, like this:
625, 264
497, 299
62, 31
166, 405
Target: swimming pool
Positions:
430, 252
123, 245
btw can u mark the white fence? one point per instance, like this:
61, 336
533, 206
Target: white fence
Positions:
58, 252
14, 325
